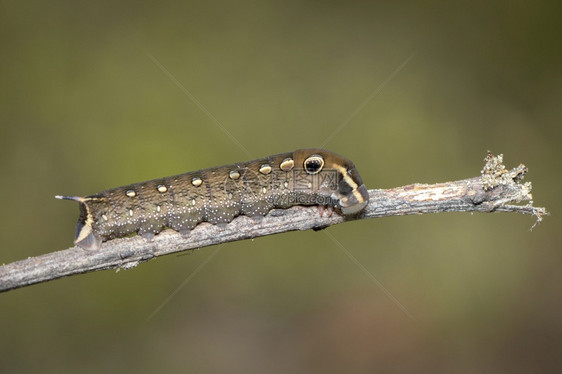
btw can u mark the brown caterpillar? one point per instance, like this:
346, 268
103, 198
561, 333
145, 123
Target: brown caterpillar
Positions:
217, 195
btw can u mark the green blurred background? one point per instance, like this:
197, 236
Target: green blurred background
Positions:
84, 107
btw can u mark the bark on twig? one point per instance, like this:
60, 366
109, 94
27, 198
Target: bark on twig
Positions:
496, 190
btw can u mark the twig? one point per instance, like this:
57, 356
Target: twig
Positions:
495, 191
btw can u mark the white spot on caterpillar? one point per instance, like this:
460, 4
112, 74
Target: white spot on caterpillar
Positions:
131, 193
161, 188
234, 174
264, 189
130, 212
265, 169
158, 208
196, 181
104, 217
287, 164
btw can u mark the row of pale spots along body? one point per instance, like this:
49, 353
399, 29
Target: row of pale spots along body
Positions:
217, 195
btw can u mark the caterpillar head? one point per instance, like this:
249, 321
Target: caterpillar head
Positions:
338, 179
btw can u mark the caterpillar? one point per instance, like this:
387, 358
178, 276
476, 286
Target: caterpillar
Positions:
217, 195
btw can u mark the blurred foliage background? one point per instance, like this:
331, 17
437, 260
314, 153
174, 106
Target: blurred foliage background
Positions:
84, 106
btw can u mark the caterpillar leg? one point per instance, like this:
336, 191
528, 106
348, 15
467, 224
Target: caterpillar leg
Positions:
85, 237
325, 208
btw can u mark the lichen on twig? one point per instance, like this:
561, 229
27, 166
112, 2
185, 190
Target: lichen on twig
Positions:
495, 173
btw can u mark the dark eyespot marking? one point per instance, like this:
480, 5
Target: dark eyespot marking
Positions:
314, 164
